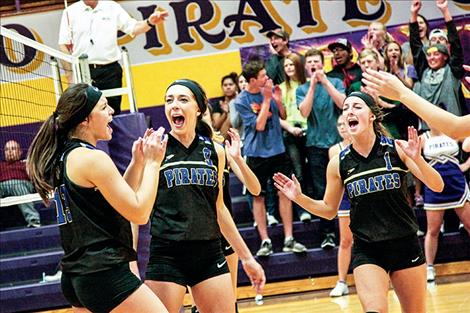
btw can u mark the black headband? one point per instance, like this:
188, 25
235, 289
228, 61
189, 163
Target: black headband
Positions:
365, 97
195, 89
93, 95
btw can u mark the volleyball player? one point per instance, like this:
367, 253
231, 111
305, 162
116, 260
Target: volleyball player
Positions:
389, 86
372, 169
189, 209
345, 235
95, 203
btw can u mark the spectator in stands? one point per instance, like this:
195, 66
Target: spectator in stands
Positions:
369, 59
295, 124
220, 107
439, 72
423, 26
376, 39
395, 64
320, 101
90, 27
235, 118
14, 181
279, 41
261, 110
344, 69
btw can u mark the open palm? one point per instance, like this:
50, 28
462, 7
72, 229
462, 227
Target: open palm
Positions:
412, 147
289, 187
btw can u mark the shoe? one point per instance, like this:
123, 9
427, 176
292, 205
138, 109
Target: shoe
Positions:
290, 245
272, 221
419, 201
340, 289
328, 242
48, 278
34, 224
430, 273
194, 310
305, 217
266, 248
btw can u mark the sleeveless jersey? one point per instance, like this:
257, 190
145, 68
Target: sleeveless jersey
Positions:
188, 187
94, 235
375, 188
441, 149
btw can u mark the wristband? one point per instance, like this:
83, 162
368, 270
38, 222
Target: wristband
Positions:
148, 23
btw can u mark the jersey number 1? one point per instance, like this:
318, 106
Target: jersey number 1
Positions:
388, 163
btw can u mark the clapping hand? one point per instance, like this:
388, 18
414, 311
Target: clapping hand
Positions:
137, 147
412, 147
233, 146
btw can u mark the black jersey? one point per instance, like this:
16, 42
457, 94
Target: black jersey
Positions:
376, 190
94, 235
226, 183
188, 187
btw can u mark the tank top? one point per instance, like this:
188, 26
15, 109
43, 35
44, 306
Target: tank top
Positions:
188, 188
375, 186
95, 237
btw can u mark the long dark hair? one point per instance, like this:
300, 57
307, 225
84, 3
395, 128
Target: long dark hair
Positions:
43, 154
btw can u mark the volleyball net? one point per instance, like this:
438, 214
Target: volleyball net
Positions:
32, 78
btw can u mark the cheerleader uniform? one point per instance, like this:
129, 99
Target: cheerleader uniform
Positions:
441, 153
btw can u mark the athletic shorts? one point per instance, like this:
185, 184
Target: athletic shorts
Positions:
101, 291
186, 263
265, 168
226, 247
391, 255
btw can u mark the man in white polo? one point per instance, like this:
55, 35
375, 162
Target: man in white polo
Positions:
90, 27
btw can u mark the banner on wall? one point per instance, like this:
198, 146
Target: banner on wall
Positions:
203, 27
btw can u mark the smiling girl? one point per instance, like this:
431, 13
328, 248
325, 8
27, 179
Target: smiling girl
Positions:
189, 212
372, 171
95, 203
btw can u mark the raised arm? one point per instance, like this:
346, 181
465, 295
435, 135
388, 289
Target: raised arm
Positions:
410, 153
135, 206
389, 86
305, 101
238, 164
228, 228
155, 18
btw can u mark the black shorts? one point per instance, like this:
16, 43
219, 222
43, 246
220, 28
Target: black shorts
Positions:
391, 255
186, 263
101, 291
226, 246
265, 168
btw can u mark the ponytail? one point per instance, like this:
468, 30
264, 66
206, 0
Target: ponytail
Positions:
204, 129
42, 158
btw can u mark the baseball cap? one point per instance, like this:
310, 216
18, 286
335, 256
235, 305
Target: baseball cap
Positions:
438, 47
437, 32
279, 33
340, 42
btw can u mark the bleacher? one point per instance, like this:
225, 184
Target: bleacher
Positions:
27, 253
